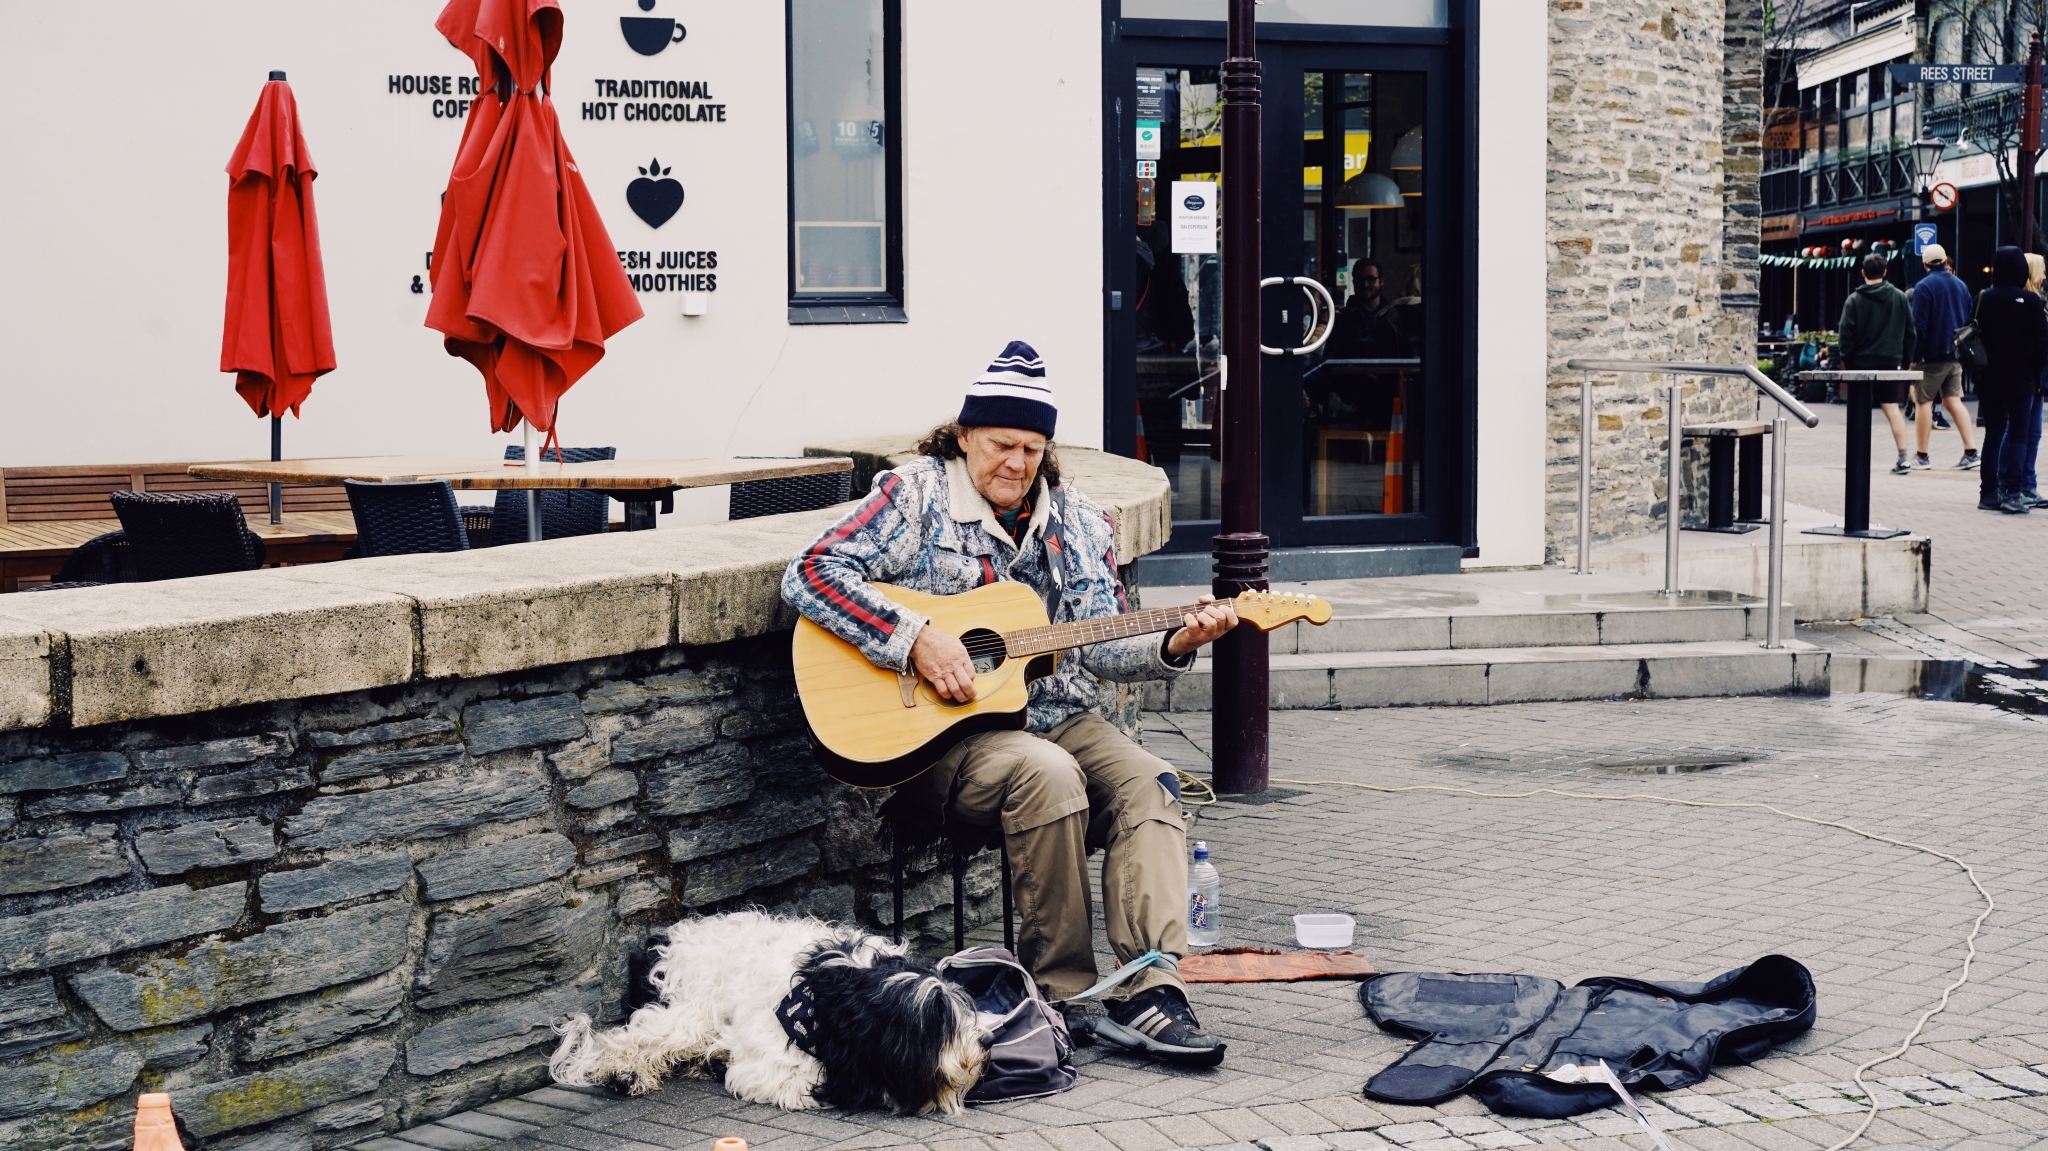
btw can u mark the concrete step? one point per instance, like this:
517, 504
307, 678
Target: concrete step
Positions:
1517, 609
1460, 676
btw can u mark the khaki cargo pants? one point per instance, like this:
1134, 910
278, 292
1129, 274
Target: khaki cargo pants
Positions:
1083, 785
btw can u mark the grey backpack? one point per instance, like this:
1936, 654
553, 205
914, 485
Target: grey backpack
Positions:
1030, 1053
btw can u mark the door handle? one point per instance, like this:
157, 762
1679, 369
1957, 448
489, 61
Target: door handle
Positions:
1325, 306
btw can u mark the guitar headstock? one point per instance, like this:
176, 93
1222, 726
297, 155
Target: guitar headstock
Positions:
1267, 610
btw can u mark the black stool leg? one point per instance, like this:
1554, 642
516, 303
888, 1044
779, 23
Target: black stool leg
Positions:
1009, 912
896, 879
959, 900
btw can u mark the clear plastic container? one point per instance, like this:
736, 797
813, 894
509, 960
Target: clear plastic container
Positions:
1324, 931
1205, 892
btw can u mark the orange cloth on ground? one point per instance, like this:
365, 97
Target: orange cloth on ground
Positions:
1262, 965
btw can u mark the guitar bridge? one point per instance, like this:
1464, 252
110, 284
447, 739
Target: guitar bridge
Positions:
906, 682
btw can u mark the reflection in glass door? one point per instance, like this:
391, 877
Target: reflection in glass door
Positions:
1368, 439
1362, 237
1179, 144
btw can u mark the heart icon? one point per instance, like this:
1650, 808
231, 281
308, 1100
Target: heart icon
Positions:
654, 200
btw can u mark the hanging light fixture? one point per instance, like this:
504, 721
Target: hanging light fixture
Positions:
1926, 157
1369, 190
1408, 151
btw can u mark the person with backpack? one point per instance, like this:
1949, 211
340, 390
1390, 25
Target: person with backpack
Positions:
2013, 323
1876, 334
1941, 304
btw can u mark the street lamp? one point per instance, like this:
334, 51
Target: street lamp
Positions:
1926, 156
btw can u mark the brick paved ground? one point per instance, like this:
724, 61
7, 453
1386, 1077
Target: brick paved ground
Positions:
1986, 587
1569, 889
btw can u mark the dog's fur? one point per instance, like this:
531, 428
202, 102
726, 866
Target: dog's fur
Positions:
888, 1030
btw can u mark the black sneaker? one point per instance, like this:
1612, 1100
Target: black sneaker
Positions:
1159, 1023
1940, 421
1990, 502
1080, 1024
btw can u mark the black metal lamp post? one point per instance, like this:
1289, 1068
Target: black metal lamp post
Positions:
1239, 703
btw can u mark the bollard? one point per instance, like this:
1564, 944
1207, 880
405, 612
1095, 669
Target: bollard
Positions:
1586, 474
1774, 586
1676, 423
729, 1144
155, 1130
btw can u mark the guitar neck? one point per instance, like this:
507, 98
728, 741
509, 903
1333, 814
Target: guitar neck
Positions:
1032, 641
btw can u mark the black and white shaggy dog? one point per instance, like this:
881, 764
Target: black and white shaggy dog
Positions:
878, 1028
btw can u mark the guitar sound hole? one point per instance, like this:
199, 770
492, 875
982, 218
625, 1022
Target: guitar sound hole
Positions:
985, 648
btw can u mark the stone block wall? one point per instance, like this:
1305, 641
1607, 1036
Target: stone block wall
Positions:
1649, 229
323, 851
317, 919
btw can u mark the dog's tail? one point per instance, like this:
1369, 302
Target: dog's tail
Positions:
576, 1060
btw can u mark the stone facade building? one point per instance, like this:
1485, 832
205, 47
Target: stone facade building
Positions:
1652, 224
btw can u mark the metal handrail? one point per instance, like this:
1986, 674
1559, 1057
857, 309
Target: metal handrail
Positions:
1775, 584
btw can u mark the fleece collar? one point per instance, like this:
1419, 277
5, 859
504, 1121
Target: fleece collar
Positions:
969, 506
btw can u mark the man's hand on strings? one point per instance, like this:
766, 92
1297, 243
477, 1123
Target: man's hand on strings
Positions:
942, 660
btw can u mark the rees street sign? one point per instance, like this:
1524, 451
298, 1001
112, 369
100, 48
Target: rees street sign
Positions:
1959, 73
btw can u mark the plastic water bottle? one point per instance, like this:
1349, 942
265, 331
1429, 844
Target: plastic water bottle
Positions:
1205, 926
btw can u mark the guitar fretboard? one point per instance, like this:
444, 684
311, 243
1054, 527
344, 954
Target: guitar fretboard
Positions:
1032, 641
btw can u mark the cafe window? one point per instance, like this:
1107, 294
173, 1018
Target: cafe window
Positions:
845, 161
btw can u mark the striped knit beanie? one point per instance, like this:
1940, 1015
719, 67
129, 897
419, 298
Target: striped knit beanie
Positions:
1011, 394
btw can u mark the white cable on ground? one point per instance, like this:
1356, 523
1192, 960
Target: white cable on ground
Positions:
1969, 941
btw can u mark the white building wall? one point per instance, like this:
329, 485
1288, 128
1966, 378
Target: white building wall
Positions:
114, 241
123, 115
1512, 283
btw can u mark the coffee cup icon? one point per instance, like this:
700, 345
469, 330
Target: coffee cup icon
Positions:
648, 35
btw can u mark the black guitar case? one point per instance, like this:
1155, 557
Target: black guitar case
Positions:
1496, 1035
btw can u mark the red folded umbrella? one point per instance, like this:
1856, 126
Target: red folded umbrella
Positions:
276, 338
527, 286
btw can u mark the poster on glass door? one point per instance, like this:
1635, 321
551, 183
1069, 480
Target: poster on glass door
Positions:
1194, 217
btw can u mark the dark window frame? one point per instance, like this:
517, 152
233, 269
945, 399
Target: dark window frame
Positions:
886, 306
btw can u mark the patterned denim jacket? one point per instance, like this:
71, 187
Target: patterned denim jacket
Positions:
923, 526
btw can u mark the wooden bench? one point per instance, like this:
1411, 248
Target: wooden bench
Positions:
47, 512
1722, 442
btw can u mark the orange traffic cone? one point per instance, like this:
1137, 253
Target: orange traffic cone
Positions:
1395, 481
730, 1144
154, 1129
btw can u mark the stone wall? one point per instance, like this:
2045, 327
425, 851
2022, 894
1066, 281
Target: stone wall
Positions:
324, 851
326, 917
1646, 233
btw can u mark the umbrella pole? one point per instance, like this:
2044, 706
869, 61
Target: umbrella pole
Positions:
532, 496
276, 453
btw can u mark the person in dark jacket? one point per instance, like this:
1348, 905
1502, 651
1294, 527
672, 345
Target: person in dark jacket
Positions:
1876, 334
2014, 327
1941, 304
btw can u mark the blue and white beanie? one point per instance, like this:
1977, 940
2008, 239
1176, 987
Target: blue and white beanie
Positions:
1011, 394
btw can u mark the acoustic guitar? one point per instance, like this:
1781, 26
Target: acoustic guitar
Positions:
872, 727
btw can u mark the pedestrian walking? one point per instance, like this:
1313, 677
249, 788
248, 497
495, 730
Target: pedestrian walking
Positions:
1941, 304
1876, 334
2013, 324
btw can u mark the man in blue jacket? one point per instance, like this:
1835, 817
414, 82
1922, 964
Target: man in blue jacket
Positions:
1941, 304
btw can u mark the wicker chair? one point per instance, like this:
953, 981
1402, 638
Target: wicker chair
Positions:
102, 559
790, 494
406, 518
174, 535
562, 513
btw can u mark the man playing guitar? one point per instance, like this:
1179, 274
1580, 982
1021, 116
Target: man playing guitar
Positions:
984, 504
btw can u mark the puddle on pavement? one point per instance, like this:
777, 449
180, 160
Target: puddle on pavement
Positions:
1638, 600
1675, 762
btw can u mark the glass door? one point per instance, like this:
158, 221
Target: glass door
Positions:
1366, 438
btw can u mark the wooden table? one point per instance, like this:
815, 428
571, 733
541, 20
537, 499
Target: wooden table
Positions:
639, 484
40, 548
